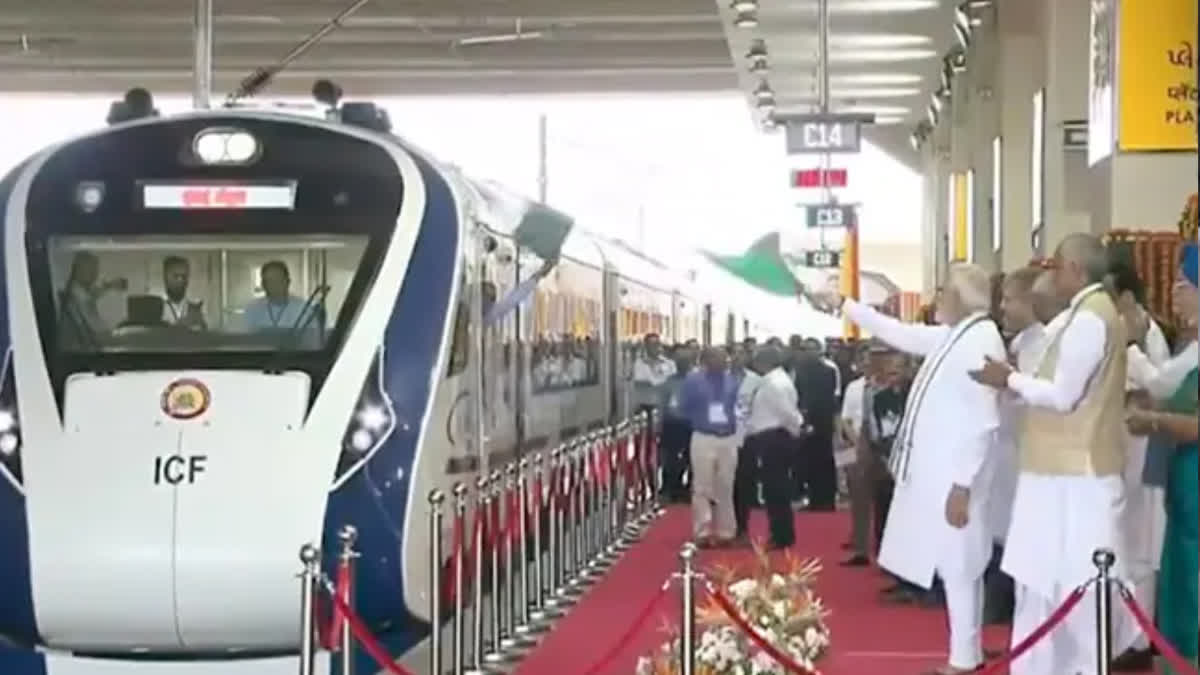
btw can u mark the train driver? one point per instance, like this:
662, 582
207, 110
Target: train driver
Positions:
178, 310
280, 311
80, 297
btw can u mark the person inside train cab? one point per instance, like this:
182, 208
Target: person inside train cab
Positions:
79, 311
279, 310
178, 310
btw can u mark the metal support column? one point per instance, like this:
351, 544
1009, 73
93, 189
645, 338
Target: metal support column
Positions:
202, 58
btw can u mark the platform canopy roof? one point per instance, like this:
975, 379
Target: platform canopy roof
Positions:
886, 54
394, 47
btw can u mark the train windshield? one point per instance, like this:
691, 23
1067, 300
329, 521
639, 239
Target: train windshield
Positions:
201, 293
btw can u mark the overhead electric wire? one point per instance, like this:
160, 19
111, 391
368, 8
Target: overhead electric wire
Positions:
260, 78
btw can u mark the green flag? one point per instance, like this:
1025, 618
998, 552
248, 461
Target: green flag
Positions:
540, 228
761, 266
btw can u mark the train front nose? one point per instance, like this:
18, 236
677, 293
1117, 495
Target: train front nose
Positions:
174, 515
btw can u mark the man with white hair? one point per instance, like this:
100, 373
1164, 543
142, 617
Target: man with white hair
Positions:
1070, 494
943, 465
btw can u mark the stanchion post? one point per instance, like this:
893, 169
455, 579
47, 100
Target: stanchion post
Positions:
656, 478
347, 536
1104, 560
518, 637
554, 552
687, 624
310, 558
495, 653
483, 505
436, 499
457, 646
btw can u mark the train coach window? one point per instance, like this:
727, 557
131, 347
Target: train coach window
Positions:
200, 293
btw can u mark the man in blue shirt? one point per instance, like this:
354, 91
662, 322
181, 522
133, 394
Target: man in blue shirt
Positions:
708, 400
278, 311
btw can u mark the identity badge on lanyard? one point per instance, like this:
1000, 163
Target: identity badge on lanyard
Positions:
716, 414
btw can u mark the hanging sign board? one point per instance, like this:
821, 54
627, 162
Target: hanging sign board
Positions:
829, 215
821, 134
823, 259
817, 178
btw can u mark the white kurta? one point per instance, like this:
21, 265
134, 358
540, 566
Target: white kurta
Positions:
1025, 351
1059, 521
1145, 515
953, 443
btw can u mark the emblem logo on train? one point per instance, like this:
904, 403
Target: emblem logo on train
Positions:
185, 399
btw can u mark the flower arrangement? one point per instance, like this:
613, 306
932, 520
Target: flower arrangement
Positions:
782, 605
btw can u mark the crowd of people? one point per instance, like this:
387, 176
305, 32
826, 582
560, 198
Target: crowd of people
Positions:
986, 456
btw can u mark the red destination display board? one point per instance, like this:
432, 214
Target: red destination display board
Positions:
815, 178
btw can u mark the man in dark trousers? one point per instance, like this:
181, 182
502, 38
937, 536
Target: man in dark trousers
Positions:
817, 391
773, 422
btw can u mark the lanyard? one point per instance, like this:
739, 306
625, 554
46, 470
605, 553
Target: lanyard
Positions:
902, 444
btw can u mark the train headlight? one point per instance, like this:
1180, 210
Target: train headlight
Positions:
89, 195
10, 425
225, 146
370, 427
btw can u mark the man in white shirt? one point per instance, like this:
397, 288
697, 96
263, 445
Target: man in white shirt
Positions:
1070, 494
937, 523
651, 370
178, 310
1027, 340
745, 481
850, 427
773, 422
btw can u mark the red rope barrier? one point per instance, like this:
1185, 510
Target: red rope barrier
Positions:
368, 641
1036, 635
1178, 662
636, 625
735, 616
331, 635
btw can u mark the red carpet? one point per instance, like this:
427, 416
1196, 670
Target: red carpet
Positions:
868, 638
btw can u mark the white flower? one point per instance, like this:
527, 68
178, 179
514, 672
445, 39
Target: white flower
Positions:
780, 609
743, 589
777, 581
644, 666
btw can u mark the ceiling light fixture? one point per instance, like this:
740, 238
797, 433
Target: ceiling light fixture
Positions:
962, 36
742, 6
882, 55
746, 20
876, 110
882, 6
931, 114
757, 56
764, 93
955, 60
873, 79
875, 92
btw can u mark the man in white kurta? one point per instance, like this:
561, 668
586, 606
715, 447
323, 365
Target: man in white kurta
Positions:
1024, 350
1070, 496
943, 456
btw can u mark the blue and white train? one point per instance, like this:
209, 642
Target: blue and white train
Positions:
164, 452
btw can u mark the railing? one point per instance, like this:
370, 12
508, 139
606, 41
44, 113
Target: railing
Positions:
535, 533
1104, 584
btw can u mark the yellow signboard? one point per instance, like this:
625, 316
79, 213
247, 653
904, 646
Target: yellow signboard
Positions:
958, 215
1156, 66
